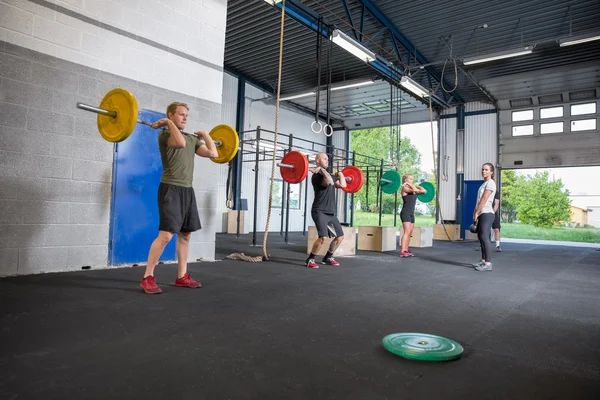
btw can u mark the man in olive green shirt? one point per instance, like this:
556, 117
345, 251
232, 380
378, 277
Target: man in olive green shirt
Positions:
176, 199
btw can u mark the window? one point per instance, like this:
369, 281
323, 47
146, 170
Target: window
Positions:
583, 125
581, 109
295, 190
552, 127
551, 112
526, 115
523, 130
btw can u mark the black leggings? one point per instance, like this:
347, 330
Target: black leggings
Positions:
484, 227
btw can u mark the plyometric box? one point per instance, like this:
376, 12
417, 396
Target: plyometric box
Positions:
377, 238
452, 229
347, 248
422, 236
232, 216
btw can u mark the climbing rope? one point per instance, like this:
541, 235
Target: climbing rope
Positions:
264, 247
265, 256
435, 168
243, 257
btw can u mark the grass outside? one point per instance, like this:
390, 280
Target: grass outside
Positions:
515, 231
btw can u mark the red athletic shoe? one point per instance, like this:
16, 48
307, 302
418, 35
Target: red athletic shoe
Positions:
405, 254
311, 264
187, 281
411, 254
331, 261
149, 285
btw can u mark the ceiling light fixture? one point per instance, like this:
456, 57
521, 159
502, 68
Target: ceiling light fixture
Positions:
334, 87
571, 40
498, 56
273, 2
347, 43
412, 86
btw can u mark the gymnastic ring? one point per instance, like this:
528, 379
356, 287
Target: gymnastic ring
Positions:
312, 127
325, 130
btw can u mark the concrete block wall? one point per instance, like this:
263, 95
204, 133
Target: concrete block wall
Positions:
55, 169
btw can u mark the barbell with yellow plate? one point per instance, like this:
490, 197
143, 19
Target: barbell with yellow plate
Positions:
118, 116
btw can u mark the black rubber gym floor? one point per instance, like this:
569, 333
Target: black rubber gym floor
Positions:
276, 330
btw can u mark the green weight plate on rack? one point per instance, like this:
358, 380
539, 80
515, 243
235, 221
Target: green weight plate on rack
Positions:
422, 346
390, 181
429, 195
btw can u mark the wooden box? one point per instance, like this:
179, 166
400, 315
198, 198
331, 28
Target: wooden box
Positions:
422, 236
377, 238
452, 229
347, 248
232, 222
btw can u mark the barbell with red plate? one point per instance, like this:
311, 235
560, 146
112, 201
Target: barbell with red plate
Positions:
294, 169
118, 116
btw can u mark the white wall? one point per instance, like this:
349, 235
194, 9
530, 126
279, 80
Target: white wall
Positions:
55, 169
101, 34
480, 146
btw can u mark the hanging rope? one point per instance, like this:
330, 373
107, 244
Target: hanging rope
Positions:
264, 247
435, 169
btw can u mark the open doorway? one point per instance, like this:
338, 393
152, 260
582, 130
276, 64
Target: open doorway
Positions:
559, 204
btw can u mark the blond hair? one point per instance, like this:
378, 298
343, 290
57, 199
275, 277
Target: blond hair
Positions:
405, 177
171, 108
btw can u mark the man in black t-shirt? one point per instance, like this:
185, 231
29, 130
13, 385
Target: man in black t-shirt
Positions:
496, 223
323, 210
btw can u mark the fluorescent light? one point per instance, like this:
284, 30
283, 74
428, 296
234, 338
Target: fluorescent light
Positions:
297, 96
338, 86
343, 85
273, 2
498, 56
412, 86
347, 43
571, 40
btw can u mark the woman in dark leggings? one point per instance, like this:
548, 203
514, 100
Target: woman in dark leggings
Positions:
484, 215
407, 215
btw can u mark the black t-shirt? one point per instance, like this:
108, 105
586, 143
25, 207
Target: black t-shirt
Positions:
324, 195
497, 197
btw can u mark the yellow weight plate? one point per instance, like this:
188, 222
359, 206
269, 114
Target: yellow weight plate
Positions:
124, 104
229, 143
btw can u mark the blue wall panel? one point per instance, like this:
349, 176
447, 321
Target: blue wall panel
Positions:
134, 213
469, 203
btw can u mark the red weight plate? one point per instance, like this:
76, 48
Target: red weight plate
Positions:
300, 170
356, 181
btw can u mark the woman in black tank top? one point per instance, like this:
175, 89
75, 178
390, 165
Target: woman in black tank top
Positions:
407, 215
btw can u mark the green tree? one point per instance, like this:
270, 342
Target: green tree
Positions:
507, 199
378, 144
540, 201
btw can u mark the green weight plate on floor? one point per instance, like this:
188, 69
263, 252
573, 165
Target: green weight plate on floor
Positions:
422, 346
390, 181
429, 195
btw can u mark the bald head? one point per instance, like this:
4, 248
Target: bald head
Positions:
322, 160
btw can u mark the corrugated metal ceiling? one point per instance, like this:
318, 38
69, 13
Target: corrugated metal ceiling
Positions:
441, 31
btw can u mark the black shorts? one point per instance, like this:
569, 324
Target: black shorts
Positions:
406, 217
327, 224
496, 223
177, 209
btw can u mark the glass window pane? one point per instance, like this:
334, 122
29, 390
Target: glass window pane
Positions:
580, 109
551, 112
553, 127
583, 125
523, 130
526, 115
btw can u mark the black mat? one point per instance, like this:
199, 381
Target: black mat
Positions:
276, 330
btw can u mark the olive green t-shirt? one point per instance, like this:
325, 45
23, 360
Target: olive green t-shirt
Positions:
178, 164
